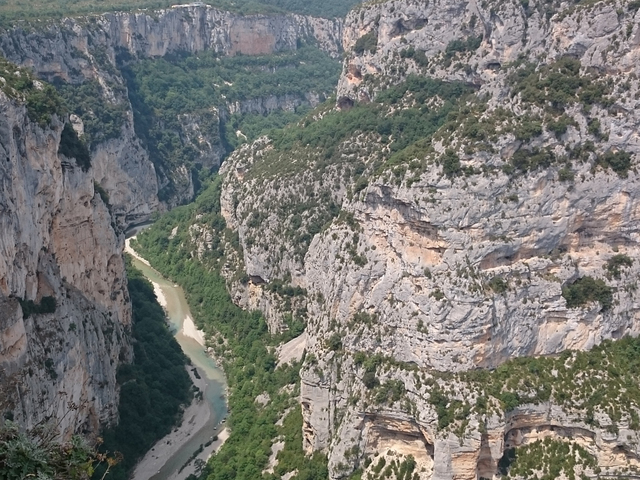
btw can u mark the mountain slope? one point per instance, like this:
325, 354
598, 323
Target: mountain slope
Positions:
507, 230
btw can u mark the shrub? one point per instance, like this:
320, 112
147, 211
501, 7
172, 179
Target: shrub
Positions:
334, 342
565, 174
470, 44
370, 380
529, 160
587, 289
528, 129
594, 127
72, 147
43, 103
417, 55
102, 119
498, 284
559, 126
369, 41
616, 262
102, 192
38, 454
46, 305
451, 164
619, 162
557, 85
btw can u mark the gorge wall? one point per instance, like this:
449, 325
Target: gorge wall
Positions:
455, 253
64, 305
93, 48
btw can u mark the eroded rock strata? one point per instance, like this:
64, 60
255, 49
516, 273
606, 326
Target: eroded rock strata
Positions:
454, 256
64, 304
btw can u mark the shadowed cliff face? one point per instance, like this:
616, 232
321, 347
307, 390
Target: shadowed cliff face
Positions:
57, 245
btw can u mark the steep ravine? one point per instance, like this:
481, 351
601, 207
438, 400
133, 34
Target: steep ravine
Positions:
203, 419
458, 236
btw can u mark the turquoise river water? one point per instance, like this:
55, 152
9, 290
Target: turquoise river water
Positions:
177, 310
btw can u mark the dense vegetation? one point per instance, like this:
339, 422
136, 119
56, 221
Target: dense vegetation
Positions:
402, 128
14, 10
243, 340
72, 147
551, 459
43, 101
170, 93
588, 289
102, 119
600, 380
154, 388
46, 305
558, 85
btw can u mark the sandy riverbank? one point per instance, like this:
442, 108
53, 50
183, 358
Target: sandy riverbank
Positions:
157, 289
190, 330
204, 456
132, 252
196, 415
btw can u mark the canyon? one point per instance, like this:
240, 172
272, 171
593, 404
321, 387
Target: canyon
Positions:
437, 275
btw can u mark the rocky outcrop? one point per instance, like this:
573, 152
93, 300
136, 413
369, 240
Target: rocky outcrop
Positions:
181, 29
603, 36
456, 266
64, 308
429, 267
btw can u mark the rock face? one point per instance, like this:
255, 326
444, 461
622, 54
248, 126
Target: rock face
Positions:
57, 244
456, 259
93, 48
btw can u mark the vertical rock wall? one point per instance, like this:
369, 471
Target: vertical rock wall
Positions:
57, 241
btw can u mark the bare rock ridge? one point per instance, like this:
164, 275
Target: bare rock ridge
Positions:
64, 306
79, 50
457, 258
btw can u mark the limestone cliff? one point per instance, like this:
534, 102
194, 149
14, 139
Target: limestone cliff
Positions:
64, 307
458, 250
93, 48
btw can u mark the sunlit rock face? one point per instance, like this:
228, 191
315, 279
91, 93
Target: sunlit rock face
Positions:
57, 242
451, 273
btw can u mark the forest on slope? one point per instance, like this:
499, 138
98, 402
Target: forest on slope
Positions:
205, 86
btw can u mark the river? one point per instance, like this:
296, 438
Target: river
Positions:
203, 420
